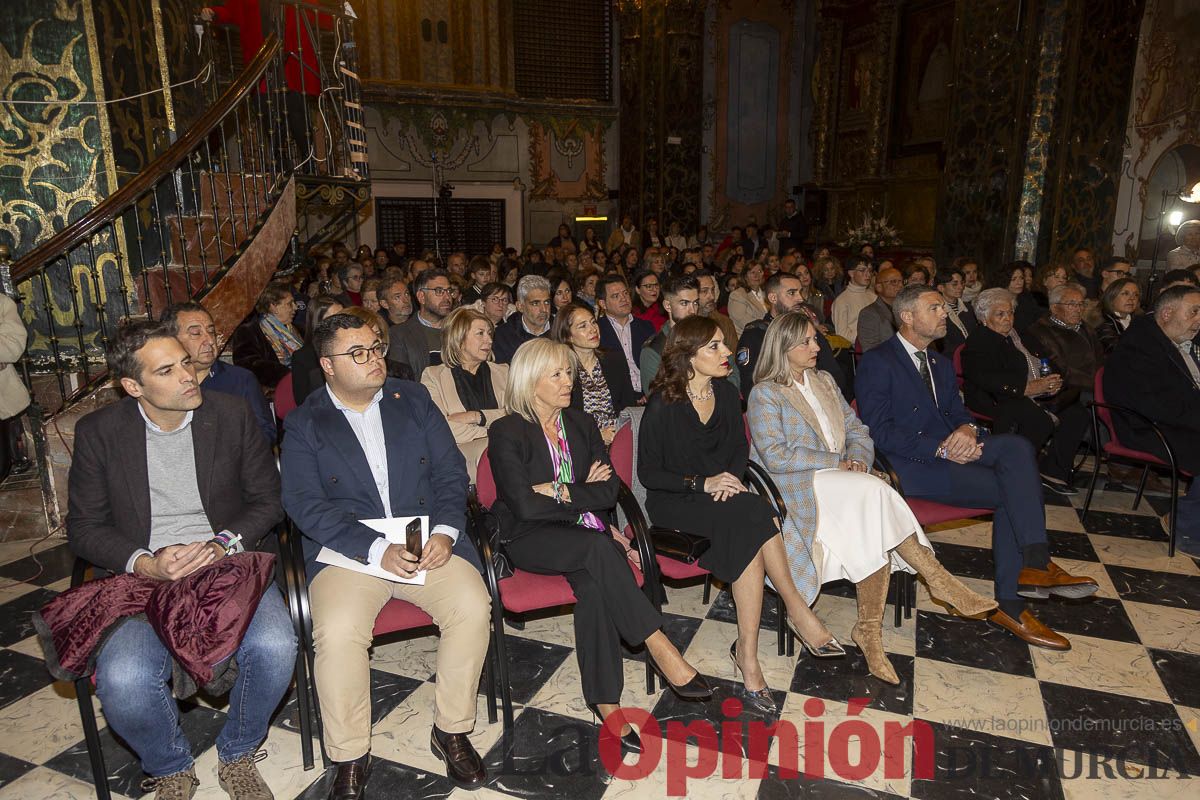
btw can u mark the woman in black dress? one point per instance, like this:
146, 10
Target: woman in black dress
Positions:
692, 452
556, 488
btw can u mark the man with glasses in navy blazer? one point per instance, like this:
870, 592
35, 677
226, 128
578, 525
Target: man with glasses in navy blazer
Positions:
908, 396
368, 447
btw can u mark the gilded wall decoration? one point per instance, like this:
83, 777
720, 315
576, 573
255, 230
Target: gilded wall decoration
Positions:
1086, 164
579, 142
824, 88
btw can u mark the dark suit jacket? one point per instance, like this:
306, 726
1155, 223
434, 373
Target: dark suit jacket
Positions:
328, 486
252, 351
1109, 331
876, 324
520, 459
906, 424
510, 335
1146, 372
108, 516
640, 332
615, 370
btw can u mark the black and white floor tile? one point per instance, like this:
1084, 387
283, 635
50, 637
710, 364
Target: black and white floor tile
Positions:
985, 715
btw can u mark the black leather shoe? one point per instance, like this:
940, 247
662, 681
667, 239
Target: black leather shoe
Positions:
695, 689
350, 779
630, 742
464, 767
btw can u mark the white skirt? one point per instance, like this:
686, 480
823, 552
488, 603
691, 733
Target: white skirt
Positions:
860, 520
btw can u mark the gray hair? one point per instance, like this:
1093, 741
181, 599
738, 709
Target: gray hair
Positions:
531, 283
908, 300
1056, 294
991, 297
534, 360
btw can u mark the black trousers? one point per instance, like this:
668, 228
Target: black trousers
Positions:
609, 605
1025, 417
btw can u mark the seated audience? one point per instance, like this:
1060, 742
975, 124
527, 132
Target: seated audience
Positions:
972, 282
495, 302
1115, 268
555, 519
586, 281
533, 321
682, 300
843, 523
876, 323
562, 293
193, 326
1155, 370
1048, 278
307, 376
938, 455
1119, 304
602, 387
1025, 308
829, 280
692, 453
369, 447
164, 483
480, 272
264, 344
785, 295
1083, 269
916, 274
749, 302
856, 296
812, 296
466, 387
710, 294
647, 305
960, 318
620, 330
1003, 380
350, 276
418, 342
1065, 339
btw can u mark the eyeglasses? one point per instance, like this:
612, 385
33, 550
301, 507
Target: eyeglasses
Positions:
1072, 304
364, 355
1124, 273
440, 291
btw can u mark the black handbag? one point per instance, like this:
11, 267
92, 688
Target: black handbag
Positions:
679, 545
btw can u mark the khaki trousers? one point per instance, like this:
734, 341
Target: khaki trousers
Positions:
344, 607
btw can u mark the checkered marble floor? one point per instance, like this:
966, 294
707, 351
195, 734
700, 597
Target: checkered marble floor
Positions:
1117, 716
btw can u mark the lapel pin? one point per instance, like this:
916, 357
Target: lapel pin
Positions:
395, 395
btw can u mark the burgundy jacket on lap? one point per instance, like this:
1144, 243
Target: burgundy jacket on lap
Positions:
200, 618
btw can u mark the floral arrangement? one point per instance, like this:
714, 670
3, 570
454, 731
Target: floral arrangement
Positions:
875, 231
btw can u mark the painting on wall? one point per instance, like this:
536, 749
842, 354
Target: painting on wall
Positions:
924, 73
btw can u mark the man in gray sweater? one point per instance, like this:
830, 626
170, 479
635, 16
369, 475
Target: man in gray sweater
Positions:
163, 483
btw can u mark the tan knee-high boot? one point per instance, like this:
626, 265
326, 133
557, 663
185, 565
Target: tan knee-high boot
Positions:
868, 631
942, 584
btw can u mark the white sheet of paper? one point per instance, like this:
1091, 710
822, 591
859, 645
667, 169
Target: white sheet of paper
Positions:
392, 529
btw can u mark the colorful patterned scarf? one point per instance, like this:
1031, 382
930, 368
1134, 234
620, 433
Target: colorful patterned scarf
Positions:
560, 456
283, 339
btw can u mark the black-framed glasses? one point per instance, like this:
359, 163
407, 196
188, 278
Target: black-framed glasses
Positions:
363, 355
440, 291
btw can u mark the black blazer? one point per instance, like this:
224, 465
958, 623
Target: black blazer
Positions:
954, 337
1109, 331
640, 332
252, 351
615, 370
994, 371
108, 516
520, 459
1147, 373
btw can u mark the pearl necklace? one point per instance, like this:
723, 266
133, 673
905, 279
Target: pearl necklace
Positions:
703, 395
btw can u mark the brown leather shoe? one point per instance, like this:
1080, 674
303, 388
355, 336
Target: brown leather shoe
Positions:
464, 767
1038, 584
350, 779
1030, 630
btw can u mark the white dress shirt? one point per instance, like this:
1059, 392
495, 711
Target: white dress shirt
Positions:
912, 355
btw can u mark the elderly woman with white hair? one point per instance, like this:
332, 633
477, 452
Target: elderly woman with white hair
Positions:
556, 488
1003, 380
843, 522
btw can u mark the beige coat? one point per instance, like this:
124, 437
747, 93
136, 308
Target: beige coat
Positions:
745, 308
471, 439
14, 396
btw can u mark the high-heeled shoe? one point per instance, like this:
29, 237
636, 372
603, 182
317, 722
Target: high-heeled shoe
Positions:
630, 742
831, 649
695, 689
761, 700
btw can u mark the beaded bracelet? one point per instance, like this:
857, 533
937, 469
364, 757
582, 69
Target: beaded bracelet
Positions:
229, 542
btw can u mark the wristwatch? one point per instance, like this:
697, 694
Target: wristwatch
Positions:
482, 420
692, 482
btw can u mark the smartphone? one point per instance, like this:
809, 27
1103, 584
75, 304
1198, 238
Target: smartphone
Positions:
412, 538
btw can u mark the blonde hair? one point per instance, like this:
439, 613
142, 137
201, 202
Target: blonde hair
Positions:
455, 328
369, 318
783, 334
533, 361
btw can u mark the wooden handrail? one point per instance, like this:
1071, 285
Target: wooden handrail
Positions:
119, 201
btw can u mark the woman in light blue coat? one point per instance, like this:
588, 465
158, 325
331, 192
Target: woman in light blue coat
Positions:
843, 522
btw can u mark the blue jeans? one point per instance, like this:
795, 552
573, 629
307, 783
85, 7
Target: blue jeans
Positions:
133, 673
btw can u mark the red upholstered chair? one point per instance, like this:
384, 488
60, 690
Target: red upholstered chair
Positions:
1102, 414
285, 398
524, 592
927, 512
395, 618
958, 373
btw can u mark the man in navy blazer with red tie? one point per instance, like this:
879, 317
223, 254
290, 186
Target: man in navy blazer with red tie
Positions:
908, 396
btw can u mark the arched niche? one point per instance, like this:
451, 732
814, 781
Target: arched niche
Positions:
1175, 173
